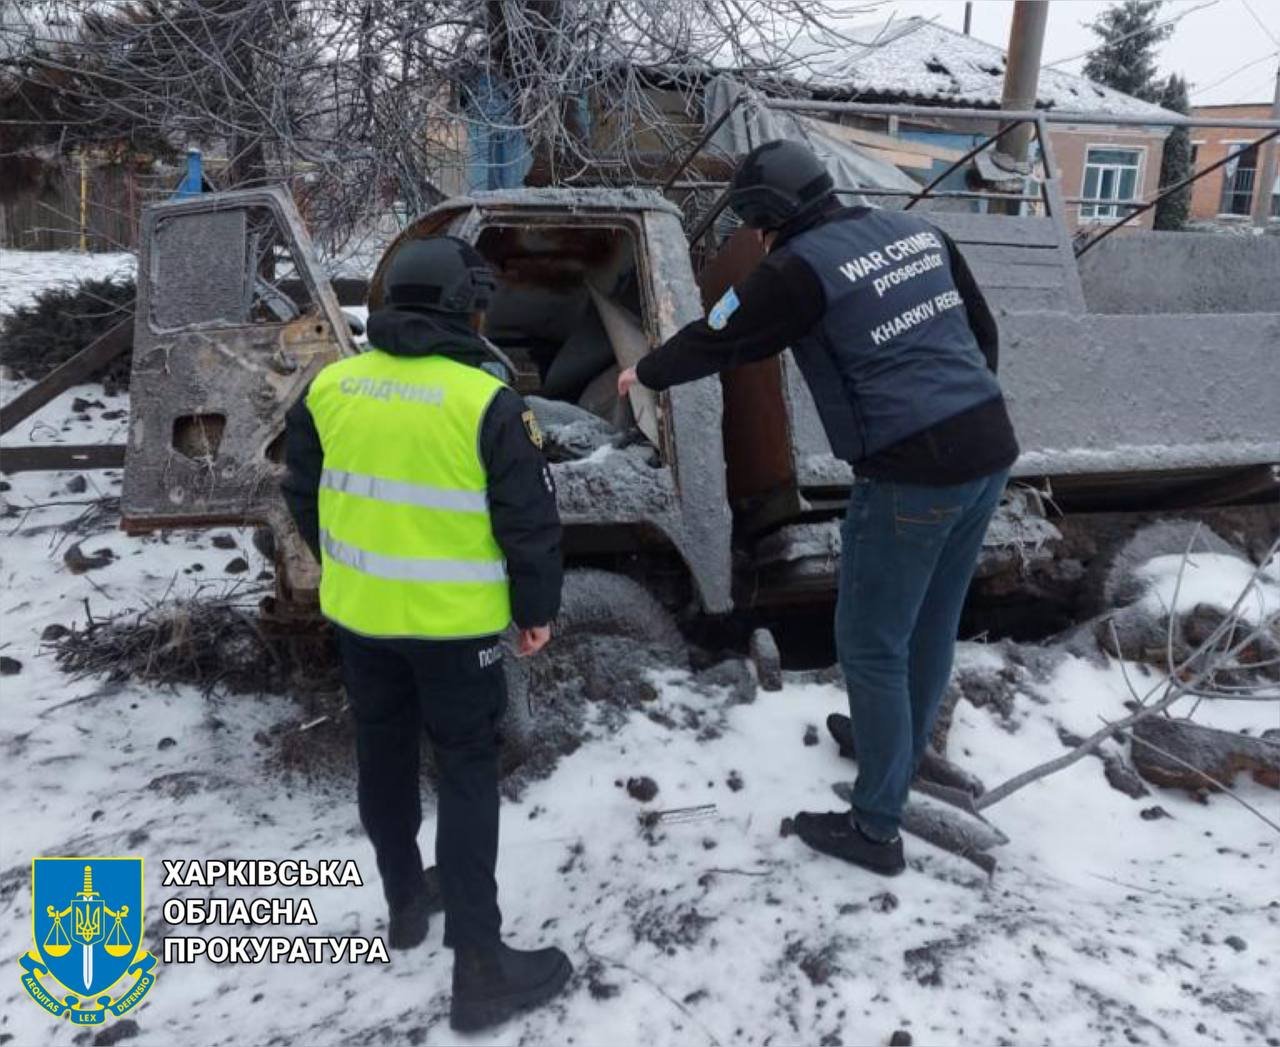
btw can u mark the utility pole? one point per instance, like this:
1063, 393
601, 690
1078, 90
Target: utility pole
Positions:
1021, 78
968, 16
1266, 177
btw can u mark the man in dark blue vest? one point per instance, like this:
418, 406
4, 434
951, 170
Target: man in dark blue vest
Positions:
899, 350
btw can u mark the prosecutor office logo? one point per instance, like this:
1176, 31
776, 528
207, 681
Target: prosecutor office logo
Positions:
86, 957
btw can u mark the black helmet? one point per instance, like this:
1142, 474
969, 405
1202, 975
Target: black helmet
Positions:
440, 274
777, 183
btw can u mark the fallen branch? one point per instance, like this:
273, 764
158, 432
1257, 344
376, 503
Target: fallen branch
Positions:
1088, 746
738, 872
1175, 688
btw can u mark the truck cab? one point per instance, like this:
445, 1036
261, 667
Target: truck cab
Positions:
236, 317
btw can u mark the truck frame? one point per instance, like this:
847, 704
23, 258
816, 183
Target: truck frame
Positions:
1120, 401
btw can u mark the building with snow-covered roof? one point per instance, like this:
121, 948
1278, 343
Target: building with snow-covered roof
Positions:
918, 62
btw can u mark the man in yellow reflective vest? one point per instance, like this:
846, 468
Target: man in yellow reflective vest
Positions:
417, 478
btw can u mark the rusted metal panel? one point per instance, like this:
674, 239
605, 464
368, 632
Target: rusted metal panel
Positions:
210, 385
756, 434
693, 414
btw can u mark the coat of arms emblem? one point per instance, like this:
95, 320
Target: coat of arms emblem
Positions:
87, 957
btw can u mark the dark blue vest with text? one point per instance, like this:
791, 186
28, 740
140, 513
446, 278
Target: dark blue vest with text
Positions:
893, 354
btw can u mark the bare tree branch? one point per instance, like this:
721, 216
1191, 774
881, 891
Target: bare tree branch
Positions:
359, 103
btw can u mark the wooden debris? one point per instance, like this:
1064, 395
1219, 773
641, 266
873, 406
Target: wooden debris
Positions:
61, 457
1122, 777
936, 768
78, 561
1163, 748
114, 342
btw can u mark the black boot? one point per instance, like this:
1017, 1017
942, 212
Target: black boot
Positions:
836, 834
841, 729
407, 924
491, 983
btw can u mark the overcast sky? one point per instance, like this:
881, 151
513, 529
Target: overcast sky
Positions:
1223, 42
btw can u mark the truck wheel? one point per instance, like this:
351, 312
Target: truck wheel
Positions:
607, 626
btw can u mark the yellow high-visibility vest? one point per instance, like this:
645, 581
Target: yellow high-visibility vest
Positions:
407, 547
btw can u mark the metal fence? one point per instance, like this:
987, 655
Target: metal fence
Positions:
1046, 194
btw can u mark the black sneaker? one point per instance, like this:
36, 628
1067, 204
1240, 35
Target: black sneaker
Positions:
493, 983
841, 729
835, 834
407, 924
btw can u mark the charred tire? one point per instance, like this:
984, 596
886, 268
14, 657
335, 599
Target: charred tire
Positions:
596, 604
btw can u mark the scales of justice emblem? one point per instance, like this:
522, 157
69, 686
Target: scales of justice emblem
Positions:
87, 921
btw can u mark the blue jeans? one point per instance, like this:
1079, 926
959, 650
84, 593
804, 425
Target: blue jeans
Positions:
908, 555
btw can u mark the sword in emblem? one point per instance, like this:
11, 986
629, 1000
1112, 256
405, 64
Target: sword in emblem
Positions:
88, 924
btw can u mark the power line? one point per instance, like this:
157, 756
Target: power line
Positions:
1234, 73
1256, 88
1261, 24
1127, 36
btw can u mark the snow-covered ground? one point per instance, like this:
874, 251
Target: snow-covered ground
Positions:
24, 273
1099, 927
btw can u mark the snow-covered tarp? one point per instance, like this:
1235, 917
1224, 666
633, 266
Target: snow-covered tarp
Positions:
753, 124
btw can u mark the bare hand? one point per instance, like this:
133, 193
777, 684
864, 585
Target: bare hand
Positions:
626, 380
532, 640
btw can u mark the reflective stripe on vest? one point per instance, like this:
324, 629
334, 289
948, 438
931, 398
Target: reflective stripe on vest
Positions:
408, 569
407, 546
405, 493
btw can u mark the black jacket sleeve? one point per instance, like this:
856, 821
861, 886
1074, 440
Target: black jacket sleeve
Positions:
522, 508
981, 322
304, 461
779, 301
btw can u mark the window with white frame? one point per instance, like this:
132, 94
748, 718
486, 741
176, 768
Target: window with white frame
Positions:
1110, 174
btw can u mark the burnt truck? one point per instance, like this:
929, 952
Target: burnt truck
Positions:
1131, 387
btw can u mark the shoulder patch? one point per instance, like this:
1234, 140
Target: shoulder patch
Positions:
531, 427
722, 310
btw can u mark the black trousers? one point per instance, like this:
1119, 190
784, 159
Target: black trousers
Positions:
456, 692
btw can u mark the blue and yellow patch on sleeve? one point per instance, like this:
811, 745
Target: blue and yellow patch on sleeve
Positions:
723, 309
